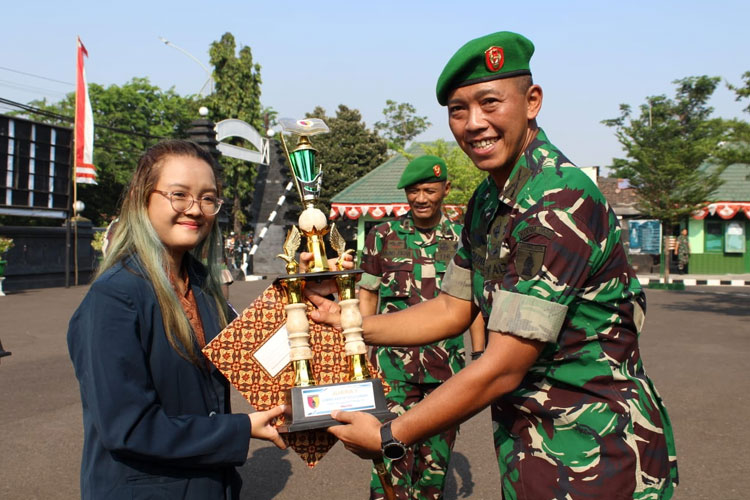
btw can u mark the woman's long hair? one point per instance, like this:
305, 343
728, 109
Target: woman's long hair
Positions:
136, 237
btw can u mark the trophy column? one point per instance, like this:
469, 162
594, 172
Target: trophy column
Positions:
298, 330
351, 324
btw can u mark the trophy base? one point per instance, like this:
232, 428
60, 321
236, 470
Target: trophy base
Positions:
324, 275
309, 408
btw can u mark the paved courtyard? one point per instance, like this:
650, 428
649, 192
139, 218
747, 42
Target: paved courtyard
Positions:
696, 347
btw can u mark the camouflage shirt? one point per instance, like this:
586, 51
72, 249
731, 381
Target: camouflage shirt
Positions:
405, 266
543, 260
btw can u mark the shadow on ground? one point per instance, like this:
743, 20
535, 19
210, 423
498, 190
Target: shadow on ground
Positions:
459, 483
739, 305
265, 474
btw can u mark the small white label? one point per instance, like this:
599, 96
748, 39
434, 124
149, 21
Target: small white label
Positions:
273, 356
347, 397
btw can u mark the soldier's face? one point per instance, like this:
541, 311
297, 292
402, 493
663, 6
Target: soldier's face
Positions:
491, 122
425, 200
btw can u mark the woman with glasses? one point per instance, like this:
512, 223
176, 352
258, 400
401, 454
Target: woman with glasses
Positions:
156, 413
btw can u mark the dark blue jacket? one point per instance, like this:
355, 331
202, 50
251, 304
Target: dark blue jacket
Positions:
155, 425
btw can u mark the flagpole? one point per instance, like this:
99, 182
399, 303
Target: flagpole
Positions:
75, 176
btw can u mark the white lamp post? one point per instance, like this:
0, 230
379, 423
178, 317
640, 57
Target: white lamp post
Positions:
210, 81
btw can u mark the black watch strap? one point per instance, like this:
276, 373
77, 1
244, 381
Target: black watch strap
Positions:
392, 448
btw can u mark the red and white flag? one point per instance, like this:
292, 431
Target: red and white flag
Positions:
84, 125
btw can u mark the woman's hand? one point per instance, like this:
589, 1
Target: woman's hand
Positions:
262, 428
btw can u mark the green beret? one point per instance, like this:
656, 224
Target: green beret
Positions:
426, 168
500, 55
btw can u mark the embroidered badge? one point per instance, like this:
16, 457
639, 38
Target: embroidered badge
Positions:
436, 170
527, 232
494, 58
529, 259
446, 250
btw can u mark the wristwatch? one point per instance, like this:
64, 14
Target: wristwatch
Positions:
392, 448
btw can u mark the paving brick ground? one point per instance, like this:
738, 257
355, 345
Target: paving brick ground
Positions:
696, 347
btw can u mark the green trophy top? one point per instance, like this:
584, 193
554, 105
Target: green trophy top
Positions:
302, 157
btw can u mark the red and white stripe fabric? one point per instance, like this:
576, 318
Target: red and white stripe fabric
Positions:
84, 124
724, 209
378, 211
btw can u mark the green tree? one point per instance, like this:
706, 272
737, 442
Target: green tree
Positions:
742, 92
401, 124
127, 120
236, 95
347, 152
737, 149
464, 176
668, 146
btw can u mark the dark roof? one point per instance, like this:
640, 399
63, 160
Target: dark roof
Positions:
736, 185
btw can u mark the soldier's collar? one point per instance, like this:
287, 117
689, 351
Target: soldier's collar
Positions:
443, 227
521, 170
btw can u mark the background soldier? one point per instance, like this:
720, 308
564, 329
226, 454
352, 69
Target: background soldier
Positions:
682, 251
404, 261
575, 414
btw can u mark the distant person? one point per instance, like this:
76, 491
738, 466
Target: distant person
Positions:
404, 261
156, 413
682, 251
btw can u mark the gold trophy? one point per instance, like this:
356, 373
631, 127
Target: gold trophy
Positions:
309, 405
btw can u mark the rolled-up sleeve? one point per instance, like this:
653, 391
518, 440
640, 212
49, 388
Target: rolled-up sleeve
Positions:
526, 316
457, 282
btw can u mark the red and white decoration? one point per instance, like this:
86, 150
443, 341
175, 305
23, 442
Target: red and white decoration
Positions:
724, 209
378, 211
84, 124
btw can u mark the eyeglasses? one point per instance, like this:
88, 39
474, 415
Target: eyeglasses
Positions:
182, 202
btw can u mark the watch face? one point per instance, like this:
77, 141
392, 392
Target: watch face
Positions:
394, 451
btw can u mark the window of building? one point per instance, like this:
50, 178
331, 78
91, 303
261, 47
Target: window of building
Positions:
714, 236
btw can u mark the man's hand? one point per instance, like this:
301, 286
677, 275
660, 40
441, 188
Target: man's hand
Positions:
360, 435
324, 287
328, 311
262, 428
347, 261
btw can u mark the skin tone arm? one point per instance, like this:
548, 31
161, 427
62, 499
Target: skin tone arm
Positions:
368, 302
433, 320
476, 331
499, 371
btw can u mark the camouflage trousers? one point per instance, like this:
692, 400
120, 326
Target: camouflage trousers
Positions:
614, 477
421, 473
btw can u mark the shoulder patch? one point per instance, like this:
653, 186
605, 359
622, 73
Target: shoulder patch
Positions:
529, 259
532, 230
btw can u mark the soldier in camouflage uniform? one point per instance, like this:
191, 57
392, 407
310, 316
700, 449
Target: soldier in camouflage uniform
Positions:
575, 415
682, 251
404, 261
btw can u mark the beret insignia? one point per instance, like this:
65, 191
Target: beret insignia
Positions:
494, 58
436, 169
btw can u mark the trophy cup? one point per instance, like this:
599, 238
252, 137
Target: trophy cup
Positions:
309, 405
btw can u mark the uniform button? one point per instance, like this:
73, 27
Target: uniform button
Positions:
212, 414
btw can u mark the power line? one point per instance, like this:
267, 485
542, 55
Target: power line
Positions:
37, 76
70, 119
29, 88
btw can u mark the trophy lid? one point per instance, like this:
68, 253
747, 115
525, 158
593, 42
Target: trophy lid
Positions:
305, 127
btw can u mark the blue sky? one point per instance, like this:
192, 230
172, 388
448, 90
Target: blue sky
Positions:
590, 56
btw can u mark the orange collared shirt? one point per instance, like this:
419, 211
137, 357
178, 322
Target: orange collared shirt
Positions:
190, 306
